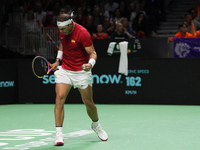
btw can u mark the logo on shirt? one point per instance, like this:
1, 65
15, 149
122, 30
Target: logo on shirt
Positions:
73, 41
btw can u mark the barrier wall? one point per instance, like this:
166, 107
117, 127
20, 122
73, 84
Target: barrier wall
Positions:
153, 78
150, 81
8, 82
150, 48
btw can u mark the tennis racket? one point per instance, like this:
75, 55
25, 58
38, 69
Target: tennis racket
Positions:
52, 41
41, 67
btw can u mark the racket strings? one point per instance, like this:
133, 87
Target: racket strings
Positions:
40, 67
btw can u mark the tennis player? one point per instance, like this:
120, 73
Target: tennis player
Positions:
78, 57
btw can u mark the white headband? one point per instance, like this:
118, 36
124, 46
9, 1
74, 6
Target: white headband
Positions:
65, 23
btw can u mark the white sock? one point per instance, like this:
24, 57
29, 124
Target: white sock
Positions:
96, 123
58, 129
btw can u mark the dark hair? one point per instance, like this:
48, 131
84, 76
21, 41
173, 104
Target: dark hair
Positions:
100, 24
191, 9
63, 17
63, 10
115, 12
138, 16
182, 25
187, 14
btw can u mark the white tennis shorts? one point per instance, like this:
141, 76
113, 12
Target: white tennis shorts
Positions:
78, 79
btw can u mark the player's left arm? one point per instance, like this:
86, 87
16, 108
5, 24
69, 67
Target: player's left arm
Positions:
92, 59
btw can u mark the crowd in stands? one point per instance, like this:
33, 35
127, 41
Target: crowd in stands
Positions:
191, 27
102, 18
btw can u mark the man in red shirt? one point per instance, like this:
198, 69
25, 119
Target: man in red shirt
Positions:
183, 32
78, 57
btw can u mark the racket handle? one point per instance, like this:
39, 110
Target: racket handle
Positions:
49, 70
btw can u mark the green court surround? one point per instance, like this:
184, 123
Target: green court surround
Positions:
129, 127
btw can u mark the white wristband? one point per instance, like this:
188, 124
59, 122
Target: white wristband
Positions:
59, 55
92, 61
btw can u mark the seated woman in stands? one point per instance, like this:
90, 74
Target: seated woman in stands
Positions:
140, 25
183, 32
100, 34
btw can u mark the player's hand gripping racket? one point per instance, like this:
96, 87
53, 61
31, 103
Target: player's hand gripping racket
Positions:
41, 67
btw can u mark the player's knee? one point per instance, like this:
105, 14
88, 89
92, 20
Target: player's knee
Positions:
60, 99
89, 104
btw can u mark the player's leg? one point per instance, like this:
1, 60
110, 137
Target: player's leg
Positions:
87, 98
62, 91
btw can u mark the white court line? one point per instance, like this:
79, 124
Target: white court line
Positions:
27, 134
1, 144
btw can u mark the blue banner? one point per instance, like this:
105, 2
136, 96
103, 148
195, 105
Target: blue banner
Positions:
186, 47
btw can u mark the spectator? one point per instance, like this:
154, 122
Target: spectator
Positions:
129, 4
11, 7
88, 10
139, 25
84, 7
48, 6
183, 32
137, 8
90, 26
95, 3
22, 10
54, 21
193, 12
97, 19
80, 18
39, 14
197, 8
56, 8
128, 30
28, 4
108, 27
47, 19
116, 17
143, 4
111, 6
31, 28
18, 17
193, 25
63, 3
102, 11
100, 34
197, 33
124, 11
30, 24
152, 9
119, 33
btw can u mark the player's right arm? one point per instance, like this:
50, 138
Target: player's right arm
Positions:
58, 58
60, 49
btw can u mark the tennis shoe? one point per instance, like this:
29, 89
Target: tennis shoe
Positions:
59, 141
100, 132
